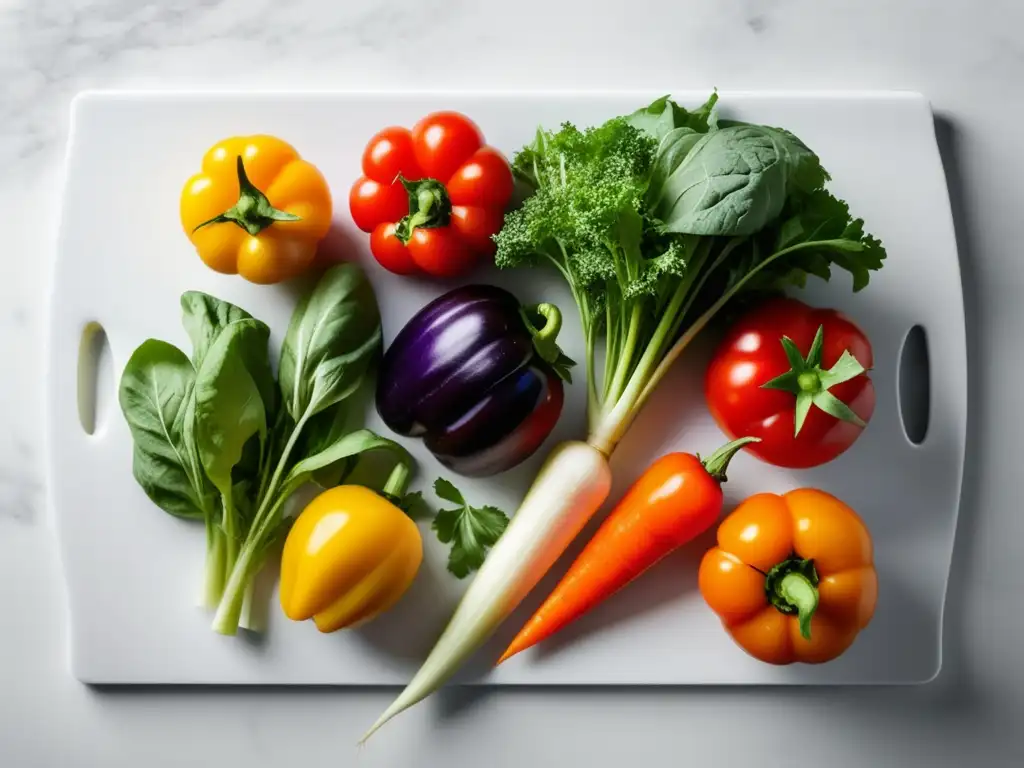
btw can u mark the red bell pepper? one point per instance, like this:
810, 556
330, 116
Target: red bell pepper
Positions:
431, 198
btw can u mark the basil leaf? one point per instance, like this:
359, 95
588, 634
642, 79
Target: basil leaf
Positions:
228, 406
155, 393
333, 338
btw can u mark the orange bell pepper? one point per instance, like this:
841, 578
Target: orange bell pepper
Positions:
792, 577
256, 209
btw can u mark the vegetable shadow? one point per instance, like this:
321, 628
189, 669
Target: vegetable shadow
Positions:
665, 583
409, 629
340, 244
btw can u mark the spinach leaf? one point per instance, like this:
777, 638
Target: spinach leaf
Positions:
734, 181
205, 317
344, 447
664, 115
321, 432
672, 151
155, 393
228, 405
333, 338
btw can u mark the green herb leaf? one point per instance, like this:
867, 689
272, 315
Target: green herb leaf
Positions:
333, 338
205, 317
228, 406
154, 393
732, 181
470, 530
447, 491
663, 115
352, 444
320, 433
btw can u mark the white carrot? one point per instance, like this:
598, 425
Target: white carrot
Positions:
571, 485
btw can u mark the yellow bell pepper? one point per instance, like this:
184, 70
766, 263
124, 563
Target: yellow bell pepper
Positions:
256, 209
350, 556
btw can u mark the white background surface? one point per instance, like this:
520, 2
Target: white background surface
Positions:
968, 57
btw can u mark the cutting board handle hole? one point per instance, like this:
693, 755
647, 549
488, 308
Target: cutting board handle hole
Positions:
914, 385
95, 378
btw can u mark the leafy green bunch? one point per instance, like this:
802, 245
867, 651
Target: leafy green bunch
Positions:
217, 438
660, 219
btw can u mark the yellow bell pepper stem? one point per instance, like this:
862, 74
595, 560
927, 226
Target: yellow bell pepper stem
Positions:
253, 211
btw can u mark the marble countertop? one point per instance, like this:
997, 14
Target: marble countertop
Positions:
966, 57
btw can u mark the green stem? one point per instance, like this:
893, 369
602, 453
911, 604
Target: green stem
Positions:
718, 462
248, 561
253, 211
623, 365
230, 532
248, 564
611, 344
215, 574
705, 318
267, 455
792, 587
398, 480
229, 610
281, 464
618, 414
798, 591
593, 399
429, 206
544, 337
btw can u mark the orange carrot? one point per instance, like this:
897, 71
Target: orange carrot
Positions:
676, 499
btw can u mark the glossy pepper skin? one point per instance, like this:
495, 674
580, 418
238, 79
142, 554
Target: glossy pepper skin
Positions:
350, 556
792, 577
468, 375
256, 209
431, 197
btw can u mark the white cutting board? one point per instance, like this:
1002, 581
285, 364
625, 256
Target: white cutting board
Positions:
122, 261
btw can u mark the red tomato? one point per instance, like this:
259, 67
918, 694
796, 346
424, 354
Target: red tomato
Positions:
752, 354
465, 187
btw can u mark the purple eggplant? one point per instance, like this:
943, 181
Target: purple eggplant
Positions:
477, 376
